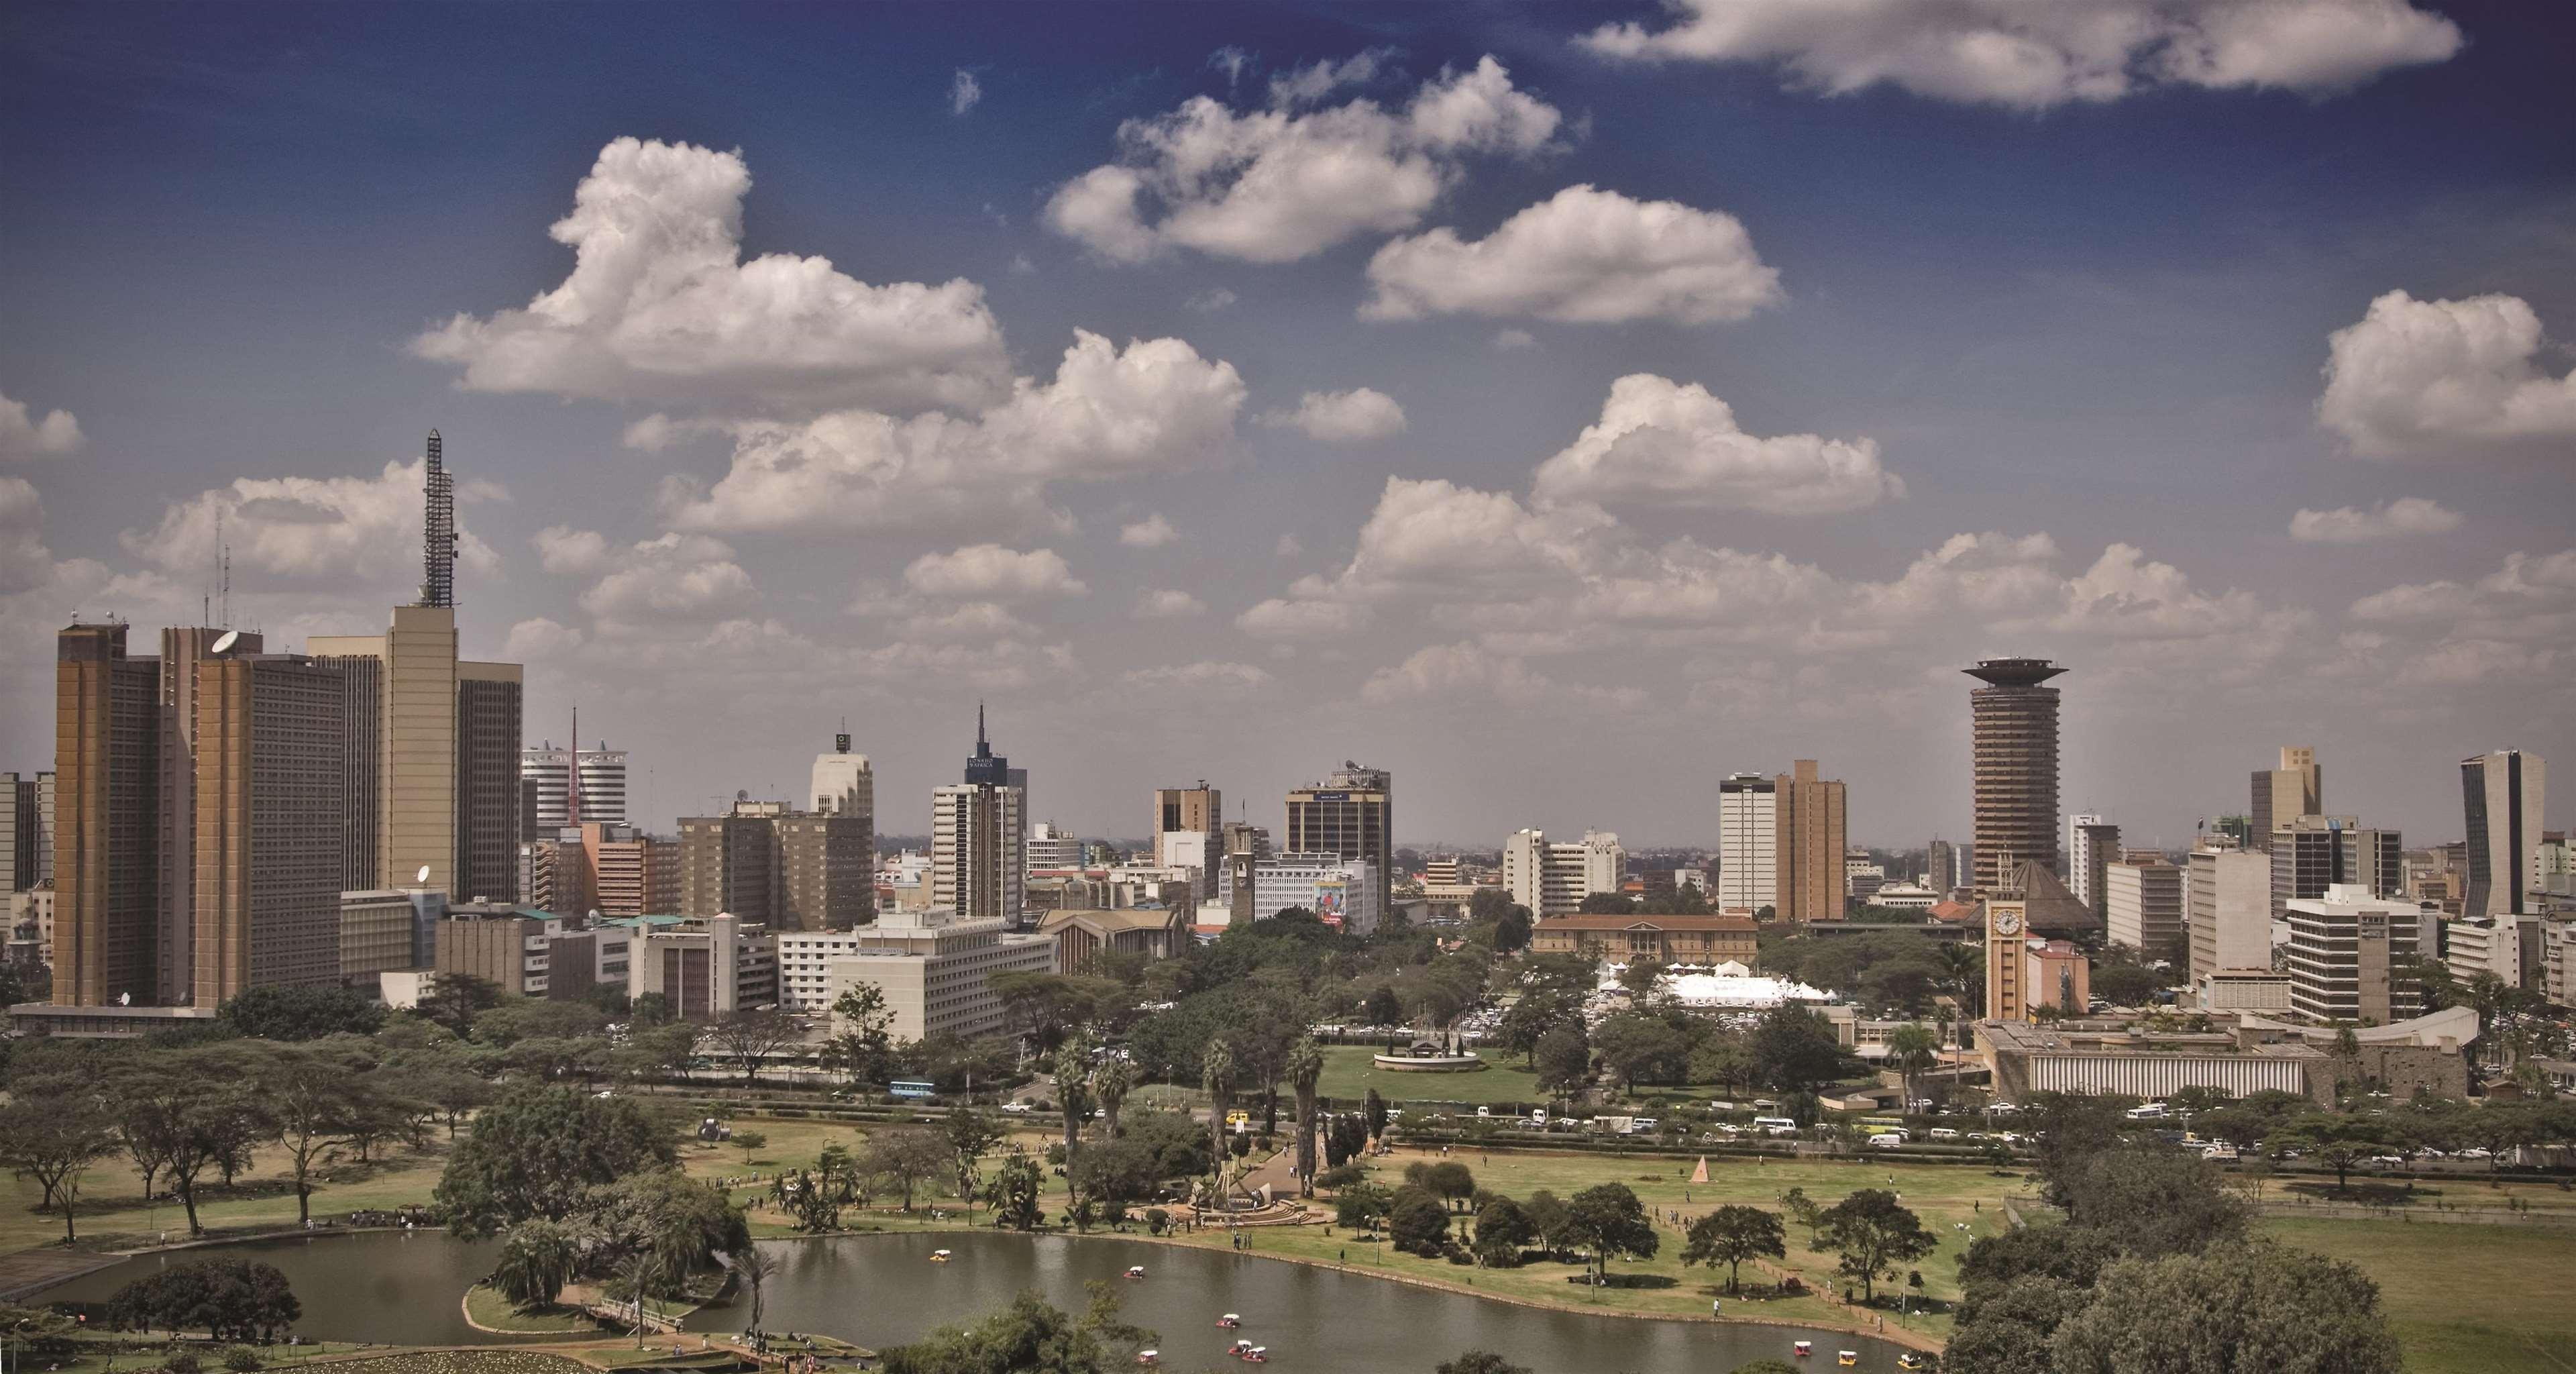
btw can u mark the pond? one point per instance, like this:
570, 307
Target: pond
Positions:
883, 1290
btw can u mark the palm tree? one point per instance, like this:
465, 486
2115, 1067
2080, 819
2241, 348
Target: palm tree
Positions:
755, 1268
1072, 1093
1305, 1066
1912, 1048
1216, 1074
536, 1261
1110, 1086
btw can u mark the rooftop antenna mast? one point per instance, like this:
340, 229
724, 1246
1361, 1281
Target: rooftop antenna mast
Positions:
438, 533
572, 773
223, 573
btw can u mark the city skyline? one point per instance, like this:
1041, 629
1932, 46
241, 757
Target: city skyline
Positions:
1148, 461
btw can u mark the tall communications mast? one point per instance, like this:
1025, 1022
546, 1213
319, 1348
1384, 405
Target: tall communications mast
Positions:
438, 534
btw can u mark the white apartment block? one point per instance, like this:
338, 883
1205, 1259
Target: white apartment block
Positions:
1051, 849
843, 783
936, 974
1337, 889
1552, 879
2345, 953
2484, 944
1748, 843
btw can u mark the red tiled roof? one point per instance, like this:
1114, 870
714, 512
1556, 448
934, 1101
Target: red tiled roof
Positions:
1614, 921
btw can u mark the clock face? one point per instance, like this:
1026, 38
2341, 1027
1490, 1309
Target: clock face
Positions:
2007, 923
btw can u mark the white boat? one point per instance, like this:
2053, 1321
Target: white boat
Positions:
1259, 1354
1231, 1320
941, 1256
1802, 1349
1135, 1271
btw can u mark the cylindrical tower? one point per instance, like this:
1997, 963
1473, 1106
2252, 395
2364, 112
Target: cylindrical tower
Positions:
2016, 767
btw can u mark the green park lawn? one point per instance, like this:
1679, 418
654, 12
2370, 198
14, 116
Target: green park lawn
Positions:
2463, 1299
1349, 1074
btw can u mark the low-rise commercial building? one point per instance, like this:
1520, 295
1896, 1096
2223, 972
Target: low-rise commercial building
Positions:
522, 951
1552, 878
2244, 989
1671, 939
707, 968
937, 974
1082, 935
1343, 892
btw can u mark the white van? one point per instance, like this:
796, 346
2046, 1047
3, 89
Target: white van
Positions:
1944, 1133
1887, 1140
2150, 1111
1776, 1125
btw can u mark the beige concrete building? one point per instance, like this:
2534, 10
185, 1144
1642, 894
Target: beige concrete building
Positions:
1813, 882
708, 968
2143, 908
936, 974
1671, 939
843, 784
1082, 935
447, 776
978, 868
1748, 843
2281, 795
2229, 906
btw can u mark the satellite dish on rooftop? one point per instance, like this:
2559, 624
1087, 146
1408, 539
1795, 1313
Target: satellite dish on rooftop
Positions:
422, 876
224, 642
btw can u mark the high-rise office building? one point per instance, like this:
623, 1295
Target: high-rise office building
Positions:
26, 831
1552, 879
843, 784
1351, 812
2014, 720
1187, 811
827, 871
2502, 793
447, 777
2283, 794
1748, 843
594, 780
107, 820
2092, 844
1810, 835
183, 648
2313, 853
978, 855
1941, 867
729, 863
271, 742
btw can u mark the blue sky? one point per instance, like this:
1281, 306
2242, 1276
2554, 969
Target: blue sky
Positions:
2102, 318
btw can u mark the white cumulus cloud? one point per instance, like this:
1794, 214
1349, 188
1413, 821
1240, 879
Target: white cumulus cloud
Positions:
1583, 256
23, 436
1206, 678
1661, 443
2443, 377
1284, 183
363, 529
675, 577
1155, 406
963, 92
989, 572
2355, 525
1167, 603
1152, 532
2036, 55
661, 305
1358, 416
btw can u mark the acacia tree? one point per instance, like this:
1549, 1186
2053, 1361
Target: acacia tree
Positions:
2265, 1306
909, 1156
1607, 1220
971, 1136
1871, 1230
1731, 1235
1305, 1069
54, 1138
862, 1042
750, 1037
313, 1100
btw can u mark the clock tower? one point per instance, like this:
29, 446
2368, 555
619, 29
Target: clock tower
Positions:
2007, 932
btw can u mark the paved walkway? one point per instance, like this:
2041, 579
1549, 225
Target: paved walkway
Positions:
46, 1265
